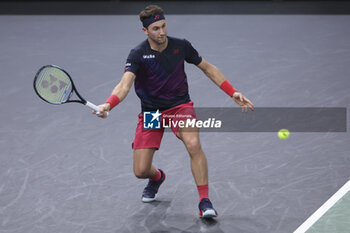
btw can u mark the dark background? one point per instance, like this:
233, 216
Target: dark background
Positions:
110, 7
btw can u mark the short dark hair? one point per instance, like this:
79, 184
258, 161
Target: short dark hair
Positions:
149, 11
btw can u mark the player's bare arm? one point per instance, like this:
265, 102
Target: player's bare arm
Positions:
121, 90
218, 78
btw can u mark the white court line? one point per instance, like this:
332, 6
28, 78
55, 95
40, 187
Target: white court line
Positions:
323, 209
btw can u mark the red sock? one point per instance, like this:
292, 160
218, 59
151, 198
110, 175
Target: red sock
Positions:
203, 191
157, 176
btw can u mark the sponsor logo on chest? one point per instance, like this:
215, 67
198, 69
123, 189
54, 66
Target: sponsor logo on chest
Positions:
150, 56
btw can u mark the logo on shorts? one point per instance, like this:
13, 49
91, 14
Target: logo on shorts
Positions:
151, 120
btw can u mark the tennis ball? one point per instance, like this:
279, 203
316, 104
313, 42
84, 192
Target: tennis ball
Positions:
283, 134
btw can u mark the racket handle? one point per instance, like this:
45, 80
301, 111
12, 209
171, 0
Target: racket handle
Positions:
93, 107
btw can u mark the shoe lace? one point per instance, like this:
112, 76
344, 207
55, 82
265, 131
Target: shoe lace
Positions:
206, 204
151, 187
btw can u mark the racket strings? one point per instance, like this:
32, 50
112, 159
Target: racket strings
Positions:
53, 85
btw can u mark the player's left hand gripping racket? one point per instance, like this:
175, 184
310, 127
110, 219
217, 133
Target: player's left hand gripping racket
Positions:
54, 85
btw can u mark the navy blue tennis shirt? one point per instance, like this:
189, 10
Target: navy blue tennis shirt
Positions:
161, 81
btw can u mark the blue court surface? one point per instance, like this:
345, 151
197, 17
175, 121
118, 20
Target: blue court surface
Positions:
64, 170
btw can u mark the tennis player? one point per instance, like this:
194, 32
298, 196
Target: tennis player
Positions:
156, 67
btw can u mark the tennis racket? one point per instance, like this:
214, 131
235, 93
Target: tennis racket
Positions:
55, 86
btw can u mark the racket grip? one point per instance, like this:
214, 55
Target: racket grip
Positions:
93, 107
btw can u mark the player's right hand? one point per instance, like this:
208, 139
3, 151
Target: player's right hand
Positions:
104, 110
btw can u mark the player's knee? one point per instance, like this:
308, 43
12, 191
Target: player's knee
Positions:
193, 145
141, 173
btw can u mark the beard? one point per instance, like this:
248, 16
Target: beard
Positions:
160, 40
